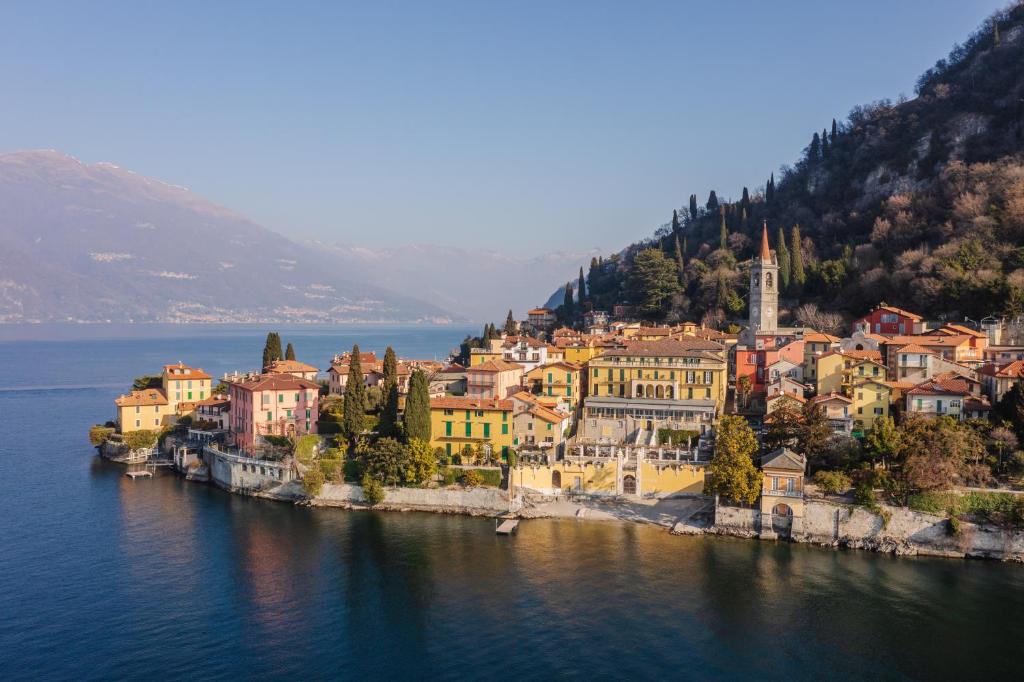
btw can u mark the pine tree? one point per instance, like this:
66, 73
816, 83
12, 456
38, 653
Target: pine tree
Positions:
289, 353
723, 234
510, 323
354, 403
693, 207
675, 222
798, 276
784, 265
712, 204
582, 286
388, 424
417, 408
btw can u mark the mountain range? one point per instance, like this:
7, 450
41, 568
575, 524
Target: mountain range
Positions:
98, 243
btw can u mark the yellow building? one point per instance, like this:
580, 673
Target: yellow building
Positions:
581, 351
478, 356
872, 399
457, 421
610, 477
673, 369
143, 411
815, 345
828, 371
184, 386
782, 493
540, 426
557, 379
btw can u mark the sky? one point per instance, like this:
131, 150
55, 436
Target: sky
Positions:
529, 127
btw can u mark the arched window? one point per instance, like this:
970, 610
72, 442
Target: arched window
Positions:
668, 392
629, 485
640, 391
782, 510
659, 392
650, 391
556, 480
768, 280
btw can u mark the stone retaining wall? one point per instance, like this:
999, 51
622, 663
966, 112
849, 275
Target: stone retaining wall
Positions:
473, 501
898, 531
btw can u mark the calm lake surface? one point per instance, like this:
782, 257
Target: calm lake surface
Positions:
105, 578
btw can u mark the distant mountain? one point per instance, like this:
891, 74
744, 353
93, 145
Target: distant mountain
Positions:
477, 284
94, 242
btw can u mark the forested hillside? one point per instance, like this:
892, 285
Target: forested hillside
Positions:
919, 203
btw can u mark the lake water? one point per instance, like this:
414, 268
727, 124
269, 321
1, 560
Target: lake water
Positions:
105, 578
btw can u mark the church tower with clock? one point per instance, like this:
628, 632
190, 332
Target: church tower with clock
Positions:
764, 290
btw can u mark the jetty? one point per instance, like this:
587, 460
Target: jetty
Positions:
141, 473
506, 526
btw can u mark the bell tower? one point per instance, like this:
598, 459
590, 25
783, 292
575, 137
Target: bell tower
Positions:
764, 289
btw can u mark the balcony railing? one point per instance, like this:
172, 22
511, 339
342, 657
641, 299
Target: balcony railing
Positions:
782, 493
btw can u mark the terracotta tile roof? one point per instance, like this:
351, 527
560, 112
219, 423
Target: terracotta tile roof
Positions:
572, 366
960, 330
276, 382
975, 404
496, 365
214, 401
467, 403
940, 388
547, 415
453, 368
150, 396
289, 366
914, 348
832, 396
1011, 370
540, 311
677, 347
654, 331
785, 459
864, 355
819, 337
182, 372
793, 396
899, 311
929, 340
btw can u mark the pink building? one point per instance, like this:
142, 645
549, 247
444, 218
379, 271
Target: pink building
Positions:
496, 379
272, 404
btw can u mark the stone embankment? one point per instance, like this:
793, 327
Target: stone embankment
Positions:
895, 530
467, 501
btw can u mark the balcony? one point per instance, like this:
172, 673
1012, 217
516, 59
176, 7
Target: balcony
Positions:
781, 493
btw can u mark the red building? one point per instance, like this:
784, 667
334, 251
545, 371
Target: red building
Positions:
752, 362
886, 319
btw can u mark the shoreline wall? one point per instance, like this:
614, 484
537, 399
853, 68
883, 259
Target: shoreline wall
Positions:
471, 501
901, 531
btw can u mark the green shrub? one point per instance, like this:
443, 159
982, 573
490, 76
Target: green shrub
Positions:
305, 447
832, 482
139, 440
313, 481
472, 478
953, 526
449, 476
353, 469
332, 468
277, 441
99, 434
373, 491
677, 436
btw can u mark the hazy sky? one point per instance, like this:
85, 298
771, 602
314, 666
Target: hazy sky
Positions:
517, 125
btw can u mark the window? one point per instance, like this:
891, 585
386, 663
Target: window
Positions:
449, 413
447, 428
487, 430
308, 411
138, 409
288, 413
270, 416
190, 395
879, 410
707, 377
479, 413
280, 397
568, 378
138, 423
469, 430
529, 426
296, 397
504, 429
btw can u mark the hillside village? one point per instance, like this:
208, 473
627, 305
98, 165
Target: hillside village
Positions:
896, 409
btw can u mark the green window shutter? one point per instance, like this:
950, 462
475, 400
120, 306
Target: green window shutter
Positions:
467, 415
270, 417
448, 449
190, 395
280, 397
448, 429
504, 431
568, 378
504, 416
487, 430
568, 391
469, 429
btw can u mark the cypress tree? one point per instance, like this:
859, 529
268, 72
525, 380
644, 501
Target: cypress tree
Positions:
814, 150
582, 286
745, 201
835, 131
271, 349
417, 408
769, 189
388, 425
723, 234
693, 207
680, 263
783, 255
798, 276
824, 143
712, 204
675, 221
289, 353
743, 220
354, 403
567, 301
594, 278
510, 323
